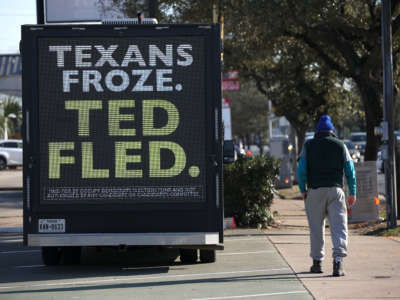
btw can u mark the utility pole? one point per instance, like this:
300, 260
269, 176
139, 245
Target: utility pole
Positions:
387, 124
153, 7
40, 11
218, 17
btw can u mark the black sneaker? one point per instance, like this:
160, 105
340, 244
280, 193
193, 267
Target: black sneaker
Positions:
316, 267
338, 269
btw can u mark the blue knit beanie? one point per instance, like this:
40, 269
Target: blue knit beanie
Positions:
325, 124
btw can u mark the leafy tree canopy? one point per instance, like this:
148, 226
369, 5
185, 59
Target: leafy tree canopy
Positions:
335, 41
309, 57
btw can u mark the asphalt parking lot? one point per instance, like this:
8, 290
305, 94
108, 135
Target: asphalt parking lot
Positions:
249, 268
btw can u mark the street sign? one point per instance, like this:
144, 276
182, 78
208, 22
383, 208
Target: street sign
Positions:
228, 85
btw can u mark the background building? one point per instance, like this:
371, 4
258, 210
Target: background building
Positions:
10, 75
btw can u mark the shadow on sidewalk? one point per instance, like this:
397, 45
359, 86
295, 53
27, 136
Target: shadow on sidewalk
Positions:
312, 275
288, 234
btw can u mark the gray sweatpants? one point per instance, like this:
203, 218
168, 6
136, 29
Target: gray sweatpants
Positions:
331, 202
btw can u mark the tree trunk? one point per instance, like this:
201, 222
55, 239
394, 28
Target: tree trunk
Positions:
301, 135
371, 99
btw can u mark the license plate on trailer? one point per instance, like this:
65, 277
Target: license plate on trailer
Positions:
51, 225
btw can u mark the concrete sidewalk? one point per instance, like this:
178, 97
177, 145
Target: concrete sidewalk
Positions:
372, 266
11, 180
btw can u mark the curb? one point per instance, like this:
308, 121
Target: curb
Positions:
11, 229
11, 189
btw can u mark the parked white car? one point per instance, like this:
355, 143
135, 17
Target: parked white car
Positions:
10, 153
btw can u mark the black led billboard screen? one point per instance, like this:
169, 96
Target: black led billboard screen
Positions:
122, 119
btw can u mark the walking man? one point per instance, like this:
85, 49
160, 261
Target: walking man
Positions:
322, 163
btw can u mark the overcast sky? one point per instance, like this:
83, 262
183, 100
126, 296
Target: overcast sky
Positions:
14, 13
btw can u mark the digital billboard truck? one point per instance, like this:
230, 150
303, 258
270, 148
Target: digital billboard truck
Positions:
122, 138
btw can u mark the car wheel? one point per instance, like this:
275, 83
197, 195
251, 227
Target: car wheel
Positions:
3, 163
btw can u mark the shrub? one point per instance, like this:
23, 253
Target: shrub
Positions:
248, 189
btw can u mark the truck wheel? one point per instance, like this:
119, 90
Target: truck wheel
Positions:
188, 256
207, 256
51, 256
71, 255
3, 164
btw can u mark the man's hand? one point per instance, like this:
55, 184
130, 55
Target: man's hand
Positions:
351, 200
304, 196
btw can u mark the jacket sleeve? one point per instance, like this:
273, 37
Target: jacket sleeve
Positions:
350, 174
302, 169
302, 174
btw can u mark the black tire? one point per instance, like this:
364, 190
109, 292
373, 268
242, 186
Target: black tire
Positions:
71, 255
188, 256
207, 256
51, 256
3, 164
12, 167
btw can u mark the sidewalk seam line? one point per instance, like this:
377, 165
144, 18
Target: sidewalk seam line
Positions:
294, 272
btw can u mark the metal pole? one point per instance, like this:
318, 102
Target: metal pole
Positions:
152, 8
217, 17
387, 63
40, 11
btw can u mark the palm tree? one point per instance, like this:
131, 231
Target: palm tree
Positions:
11, 108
